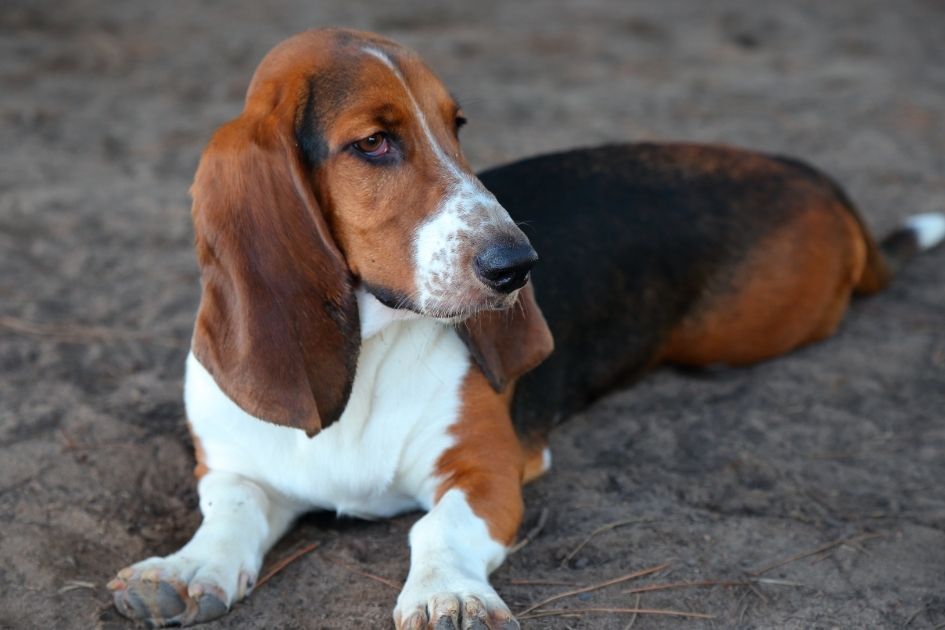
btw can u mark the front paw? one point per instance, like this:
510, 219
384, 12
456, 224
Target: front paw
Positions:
178, 591
473, 608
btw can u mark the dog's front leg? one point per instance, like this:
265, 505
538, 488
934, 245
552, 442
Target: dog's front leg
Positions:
220, 564
455, 546
451, 556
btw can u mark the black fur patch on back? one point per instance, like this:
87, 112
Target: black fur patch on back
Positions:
632, 238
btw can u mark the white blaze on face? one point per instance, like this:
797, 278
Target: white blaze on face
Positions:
466, 214
448, 164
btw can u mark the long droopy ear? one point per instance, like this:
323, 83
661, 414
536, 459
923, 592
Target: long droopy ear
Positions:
507, 344
278, 322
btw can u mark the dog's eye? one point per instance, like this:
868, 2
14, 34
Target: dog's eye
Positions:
460, 121
374, 146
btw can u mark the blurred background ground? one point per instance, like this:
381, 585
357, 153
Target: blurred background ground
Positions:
104, 108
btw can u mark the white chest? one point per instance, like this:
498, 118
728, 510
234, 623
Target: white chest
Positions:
380, 457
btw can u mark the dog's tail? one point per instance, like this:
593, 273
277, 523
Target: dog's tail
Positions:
919, 233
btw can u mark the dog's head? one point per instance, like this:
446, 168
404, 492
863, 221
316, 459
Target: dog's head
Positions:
344, 170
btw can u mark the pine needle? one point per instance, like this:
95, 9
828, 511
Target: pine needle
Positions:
616, 611
594, 587
281, 564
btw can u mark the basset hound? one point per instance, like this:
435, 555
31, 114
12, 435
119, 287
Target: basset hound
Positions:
368, 340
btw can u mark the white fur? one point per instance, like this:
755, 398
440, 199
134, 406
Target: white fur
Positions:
241, 521
375, 316
929, 228
379, 458
451, 552
441, 272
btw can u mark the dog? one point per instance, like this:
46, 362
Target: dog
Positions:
369, 338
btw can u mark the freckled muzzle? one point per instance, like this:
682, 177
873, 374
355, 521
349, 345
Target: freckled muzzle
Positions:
470, 256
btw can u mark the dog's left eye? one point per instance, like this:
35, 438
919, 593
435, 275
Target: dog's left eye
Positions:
374, 146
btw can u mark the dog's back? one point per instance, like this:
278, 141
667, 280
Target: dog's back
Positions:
682, 253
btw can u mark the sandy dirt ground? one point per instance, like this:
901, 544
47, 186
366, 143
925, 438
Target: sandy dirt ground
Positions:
104, 108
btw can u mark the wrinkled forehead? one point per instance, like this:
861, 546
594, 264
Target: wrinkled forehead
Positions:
333, 72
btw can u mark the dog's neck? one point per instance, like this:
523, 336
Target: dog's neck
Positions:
375, 316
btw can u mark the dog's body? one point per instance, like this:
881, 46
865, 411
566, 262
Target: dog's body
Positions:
348, 354
684, 254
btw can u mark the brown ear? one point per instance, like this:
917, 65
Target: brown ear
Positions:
278, 322
507, 344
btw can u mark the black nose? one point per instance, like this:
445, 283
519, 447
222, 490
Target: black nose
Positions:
505, 267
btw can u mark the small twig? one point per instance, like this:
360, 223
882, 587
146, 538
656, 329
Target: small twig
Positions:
599, 530
674, 585
859, 547
758, 594
78, 333
616, 611
807, 554
371, 576
633, 619
594, 587
73, 585
742, 611
532, 533
281, 564
749, 584
913, 616
777, 582
837, 456
519, 582
72, 445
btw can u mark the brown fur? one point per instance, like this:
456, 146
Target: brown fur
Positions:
507, 344
285, 233
791, 290
486, 462
277, 325
534, 461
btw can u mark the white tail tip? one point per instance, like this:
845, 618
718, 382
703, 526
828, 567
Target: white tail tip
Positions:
929, 228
